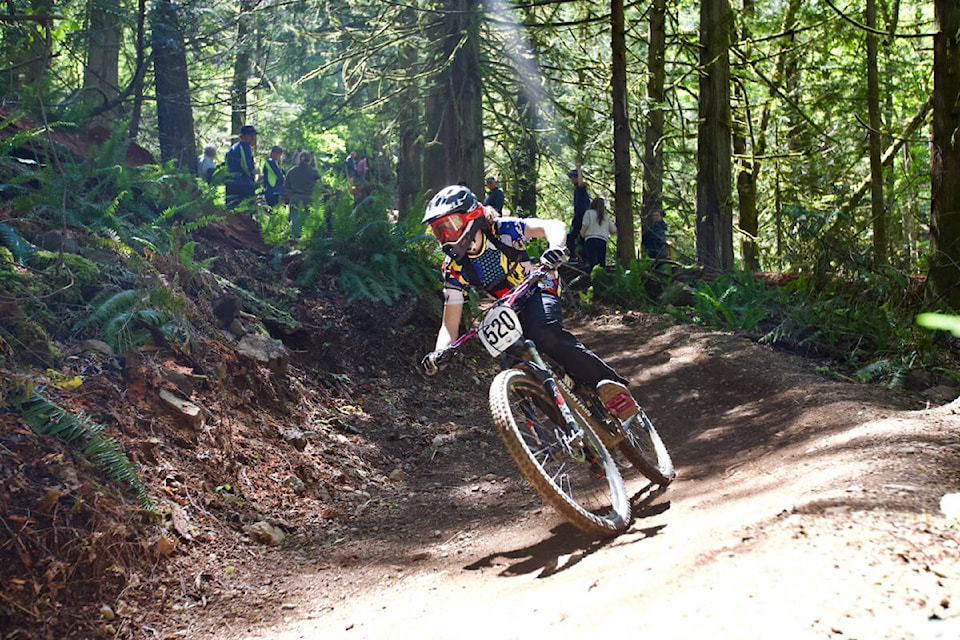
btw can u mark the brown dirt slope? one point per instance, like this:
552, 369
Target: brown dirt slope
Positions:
805, 507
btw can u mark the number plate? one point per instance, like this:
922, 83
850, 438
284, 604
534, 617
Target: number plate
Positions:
500, 329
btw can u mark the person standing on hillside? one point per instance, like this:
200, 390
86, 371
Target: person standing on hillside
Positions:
581, 200
242, 183
298, 186
495, 197
350, 165
596, 230
273, 177
206, 163
654, 239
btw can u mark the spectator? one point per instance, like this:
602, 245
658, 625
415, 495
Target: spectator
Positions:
273, 177
206, 163
654, 239
242, 183
298, 186
351, 167
596, 230
581, 200
361, 176
495, 197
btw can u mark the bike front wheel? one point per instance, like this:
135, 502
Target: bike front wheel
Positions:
643, 447
576, 476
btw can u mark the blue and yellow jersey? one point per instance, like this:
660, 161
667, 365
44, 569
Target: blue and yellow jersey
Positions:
498, 273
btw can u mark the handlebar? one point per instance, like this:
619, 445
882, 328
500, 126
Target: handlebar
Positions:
519, 294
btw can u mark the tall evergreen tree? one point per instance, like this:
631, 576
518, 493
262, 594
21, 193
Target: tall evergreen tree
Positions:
101, 74
623, 194
877, 205
454, 122
174, 112
714, 206
945, 156
653, 126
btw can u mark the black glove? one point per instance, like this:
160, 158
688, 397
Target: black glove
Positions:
429, 363
553, 258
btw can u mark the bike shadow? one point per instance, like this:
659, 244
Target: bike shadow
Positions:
567, 545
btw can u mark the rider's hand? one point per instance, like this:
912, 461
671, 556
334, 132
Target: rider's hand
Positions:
429, 363
553, 258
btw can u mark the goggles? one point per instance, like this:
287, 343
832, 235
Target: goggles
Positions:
450, 227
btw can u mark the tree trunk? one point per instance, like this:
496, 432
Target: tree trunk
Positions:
526, 152
101, 75
454, 146
410, 155
714, 207
136, 84
877, 208
623, 188
174, 113
524, 200
747, 162
945, 157
653, 135
241, 69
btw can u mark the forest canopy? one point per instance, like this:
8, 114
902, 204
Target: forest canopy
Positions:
774, 136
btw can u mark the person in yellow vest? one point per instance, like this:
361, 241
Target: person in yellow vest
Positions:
273, 177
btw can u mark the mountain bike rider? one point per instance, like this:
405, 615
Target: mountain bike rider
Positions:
486, 252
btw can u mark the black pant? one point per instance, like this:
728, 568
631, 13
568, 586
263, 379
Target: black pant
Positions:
237, 192
594, 252
542, 320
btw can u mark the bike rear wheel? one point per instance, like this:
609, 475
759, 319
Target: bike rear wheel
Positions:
644, 449
581, 482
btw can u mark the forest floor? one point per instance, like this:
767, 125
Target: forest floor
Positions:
805, 506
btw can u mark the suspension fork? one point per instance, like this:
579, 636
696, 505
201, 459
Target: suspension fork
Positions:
572, 436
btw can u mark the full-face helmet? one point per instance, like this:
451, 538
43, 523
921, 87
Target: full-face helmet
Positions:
454, 216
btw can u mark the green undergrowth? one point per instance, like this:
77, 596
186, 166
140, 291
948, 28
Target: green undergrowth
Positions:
864, 324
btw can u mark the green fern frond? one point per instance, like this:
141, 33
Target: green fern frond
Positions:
153, 317
117, 304
201, 222
18, 245
48, 418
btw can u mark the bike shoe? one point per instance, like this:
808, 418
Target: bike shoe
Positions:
617, 399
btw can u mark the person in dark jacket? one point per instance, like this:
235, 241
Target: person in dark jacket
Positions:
495, 197
654, 239
242, 183
299, 185
581, 202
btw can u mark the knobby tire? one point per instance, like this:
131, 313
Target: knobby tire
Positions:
645, 450
589, 494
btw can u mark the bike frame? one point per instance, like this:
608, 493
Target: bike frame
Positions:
523, 354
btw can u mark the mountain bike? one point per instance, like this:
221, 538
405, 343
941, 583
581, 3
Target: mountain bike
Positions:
558, 433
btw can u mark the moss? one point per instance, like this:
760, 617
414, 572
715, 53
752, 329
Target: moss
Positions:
83, 270
29, 341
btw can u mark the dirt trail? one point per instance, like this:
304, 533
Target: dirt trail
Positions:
803, 508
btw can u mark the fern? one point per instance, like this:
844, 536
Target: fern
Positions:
376, 259
16, 243
48, 418
120, 302
132, 317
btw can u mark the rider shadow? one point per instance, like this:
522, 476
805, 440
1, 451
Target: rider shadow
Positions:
568, 545
564, 549
643, 502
